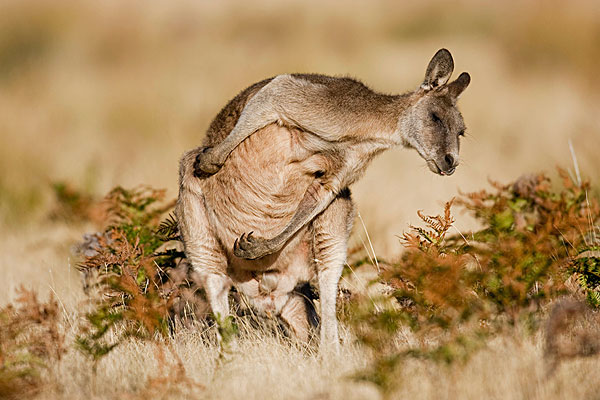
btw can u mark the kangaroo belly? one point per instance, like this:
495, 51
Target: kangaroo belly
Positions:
258, 190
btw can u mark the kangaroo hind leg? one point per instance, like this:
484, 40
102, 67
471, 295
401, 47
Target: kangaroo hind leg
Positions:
331, 230
201, 247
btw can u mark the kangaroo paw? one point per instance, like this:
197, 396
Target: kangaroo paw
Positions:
251, 248
205, 164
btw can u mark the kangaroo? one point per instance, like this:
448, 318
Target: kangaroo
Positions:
277, 162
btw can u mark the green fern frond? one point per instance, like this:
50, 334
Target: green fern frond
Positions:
168, 229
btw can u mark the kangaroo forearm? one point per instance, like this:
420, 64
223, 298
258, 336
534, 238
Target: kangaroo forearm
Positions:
315, 200
238, 135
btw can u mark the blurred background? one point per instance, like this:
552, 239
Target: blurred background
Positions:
98, 94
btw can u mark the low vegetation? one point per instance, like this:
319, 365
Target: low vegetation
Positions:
30, 340
533, 267
457, 291
138, 283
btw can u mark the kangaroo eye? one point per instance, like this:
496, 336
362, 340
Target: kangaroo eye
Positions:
435, 118
461, 133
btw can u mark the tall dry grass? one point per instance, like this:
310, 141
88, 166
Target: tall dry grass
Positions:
100, 94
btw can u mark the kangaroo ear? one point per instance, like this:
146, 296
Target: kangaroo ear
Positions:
459, 85
439, 70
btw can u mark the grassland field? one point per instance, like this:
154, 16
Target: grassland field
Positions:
101, 94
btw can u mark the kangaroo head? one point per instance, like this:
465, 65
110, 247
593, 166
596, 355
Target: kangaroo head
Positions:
432, 124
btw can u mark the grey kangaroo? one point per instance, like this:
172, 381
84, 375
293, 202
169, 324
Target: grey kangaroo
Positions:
264, 205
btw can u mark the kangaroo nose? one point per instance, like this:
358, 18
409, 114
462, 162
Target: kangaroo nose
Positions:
449, 165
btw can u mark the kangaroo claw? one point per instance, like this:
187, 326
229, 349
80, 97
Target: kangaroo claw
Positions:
250, 247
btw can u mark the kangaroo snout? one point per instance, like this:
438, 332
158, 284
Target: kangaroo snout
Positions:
448, 165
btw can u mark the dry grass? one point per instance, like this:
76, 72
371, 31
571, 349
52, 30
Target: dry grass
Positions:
101, 94
266, 366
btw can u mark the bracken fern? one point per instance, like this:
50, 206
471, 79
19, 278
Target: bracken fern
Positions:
456, 291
